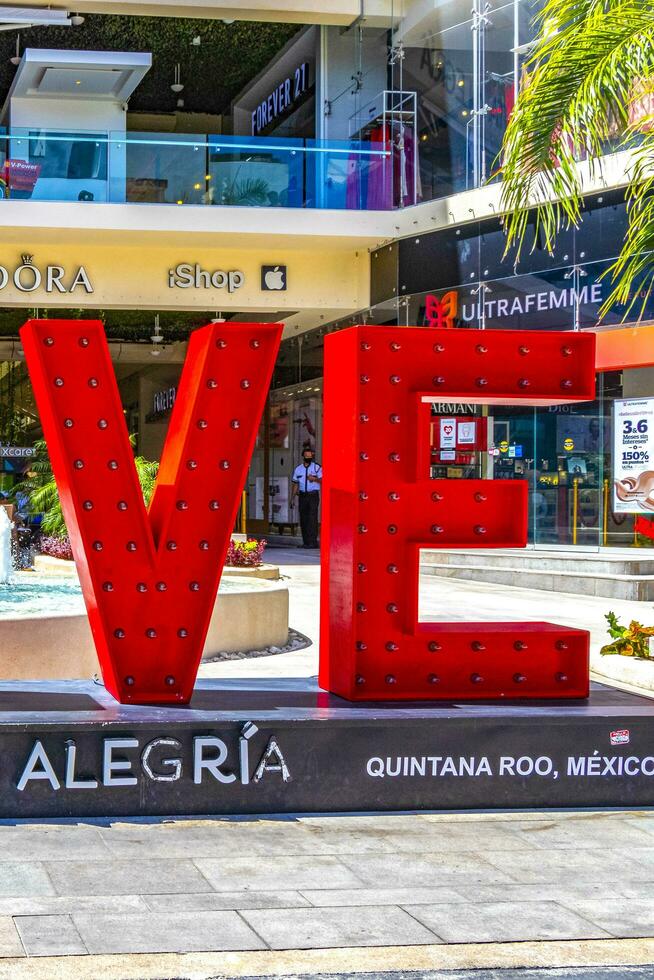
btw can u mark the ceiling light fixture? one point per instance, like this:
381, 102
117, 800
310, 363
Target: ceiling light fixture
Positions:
177, 83
16, 58
156, 338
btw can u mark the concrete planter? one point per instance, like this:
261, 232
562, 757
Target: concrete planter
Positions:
626, 672
260, 571
46, 565
249, 616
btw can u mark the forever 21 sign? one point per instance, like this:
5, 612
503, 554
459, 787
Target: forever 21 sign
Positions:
282, 98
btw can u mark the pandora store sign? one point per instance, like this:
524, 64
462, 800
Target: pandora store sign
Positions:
28, 276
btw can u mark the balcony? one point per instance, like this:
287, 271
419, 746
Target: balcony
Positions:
198, 170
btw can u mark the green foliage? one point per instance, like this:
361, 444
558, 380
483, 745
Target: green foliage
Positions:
146, 470
43, 495
251, 191
628, 641
213, 73
592, 62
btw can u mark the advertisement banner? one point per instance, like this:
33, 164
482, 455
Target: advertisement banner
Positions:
633, 452
448, 434
278, 499
467, 433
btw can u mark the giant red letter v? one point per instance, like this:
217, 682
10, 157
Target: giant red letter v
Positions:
150, 579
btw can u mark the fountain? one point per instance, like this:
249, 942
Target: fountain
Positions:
45, 633
6, 564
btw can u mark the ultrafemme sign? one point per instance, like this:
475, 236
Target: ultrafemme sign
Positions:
150, 580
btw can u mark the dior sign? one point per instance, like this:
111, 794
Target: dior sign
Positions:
28, 277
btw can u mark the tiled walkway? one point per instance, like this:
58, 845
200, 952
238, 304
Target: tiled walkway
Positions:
410, 881
318, 882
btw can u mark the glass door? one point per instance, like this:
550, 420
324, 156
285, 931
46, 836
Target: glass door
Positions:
569, 467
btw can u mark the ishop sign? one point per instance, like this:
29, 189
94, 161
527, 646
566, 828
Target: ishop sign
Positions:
187, 276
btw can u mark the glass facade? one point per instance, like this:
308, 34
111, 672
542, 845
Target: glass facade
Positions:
375, 119
154, 168
565, 453
361, 118
467, 71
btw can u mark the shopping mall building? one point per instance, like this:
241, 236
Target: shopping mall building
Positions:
342, 172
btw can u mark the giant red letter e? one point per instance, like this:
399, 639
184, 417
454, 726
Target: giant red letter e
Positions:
380, 508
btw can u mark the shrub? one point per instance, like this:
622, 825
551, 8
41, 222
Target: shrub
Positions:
56, 547
628, 641
245, 554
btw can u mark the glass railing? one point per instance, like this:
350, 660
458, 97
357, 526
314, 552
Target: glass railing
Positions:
155, 168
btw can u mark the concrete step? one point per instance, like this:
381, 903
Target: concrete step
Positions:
635, 587
632, 562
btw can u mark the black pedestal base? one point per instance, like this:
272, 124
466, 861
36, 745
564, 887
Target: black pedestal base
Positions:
261, 746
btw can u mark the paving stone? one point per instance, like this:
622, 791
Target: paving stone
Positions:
25, 879
329, 928
408, 834
586, 831
392, 822
422, 870
620, 917
283, 839
449, 837
50, 843
642, 821
337, 897
126, 877
215, 901
63, 904
161, 932
49, 935
528, 866
256, 873
566, 892
503, 922
10, 944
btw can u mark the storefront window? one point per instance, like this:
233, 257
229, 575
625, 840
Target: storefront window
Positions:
292, 422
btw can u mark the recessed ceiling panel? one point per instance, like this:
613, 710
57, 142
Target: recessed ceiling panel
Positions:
80, 82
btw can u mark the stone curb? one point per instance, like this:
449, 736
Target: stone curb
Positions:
226, 966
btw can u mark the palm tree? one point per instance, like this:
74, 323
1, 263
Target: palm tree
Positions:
41, 489
589, 87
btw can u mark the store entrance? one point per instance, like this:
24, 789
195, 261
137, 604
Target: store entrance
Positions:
566, 455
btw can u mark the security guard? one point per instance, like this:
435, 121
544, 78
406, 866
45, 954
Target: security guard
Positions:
307, 478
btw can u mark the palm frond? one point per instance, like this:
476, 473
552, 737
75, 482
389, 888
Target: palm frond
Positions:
594, 57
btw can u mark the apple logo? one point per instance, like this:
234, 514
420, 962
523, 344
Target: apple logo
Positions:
273, 277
